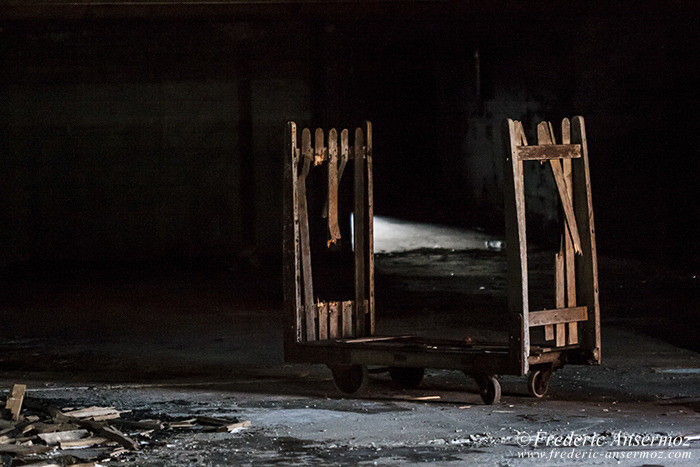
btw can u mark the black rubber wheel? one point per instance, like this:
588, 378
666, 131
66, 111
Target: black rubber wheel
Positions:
489, 389
538, 381
408, 378
350, 379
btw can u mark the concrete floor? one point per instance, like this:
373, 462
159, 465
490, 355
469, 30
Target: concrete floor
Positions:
183, 342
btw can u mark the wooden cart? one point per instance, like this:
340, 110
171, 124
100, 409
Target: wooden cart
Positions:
336, 326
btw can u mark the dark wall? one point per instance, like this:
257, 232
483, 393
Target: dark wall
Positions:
152, 138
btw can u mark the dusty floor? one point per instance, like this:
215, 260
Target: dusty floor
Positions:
189, 341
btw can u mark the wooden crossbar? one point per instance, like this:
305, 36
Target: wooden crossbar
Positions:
547, 152
558, 316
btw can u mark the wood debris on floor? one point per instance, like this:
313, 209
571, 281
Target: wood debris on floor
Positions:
34, 432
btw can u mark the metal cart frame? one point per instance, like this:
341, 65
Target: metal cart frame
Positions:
341, 333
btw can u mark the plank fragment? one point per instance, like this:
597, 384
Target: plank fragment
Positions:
347, 311
59, 436
369, 234
570, 256
14, 400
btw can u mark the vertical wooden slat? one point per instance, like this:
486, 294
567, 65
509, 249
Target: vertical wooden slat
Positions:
347, 309
370, 226
359, 219
569, 247
333, 229
560, 281
344, 153
319, 147
333, 319
587, 264
322, 313
292, 260
309, 307
518, 306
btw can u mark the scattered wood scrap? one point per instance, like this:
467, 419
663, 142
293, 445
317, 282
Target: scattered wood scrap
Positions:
33, 432
14, 400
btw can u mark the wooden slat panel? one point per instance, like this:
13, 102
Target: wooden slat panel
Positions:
572, 335
359, 234
587, 264
309, 307
554, 151
332, 203
557, 316
347, 308
370, 227
518, 305
322, 314
333, 314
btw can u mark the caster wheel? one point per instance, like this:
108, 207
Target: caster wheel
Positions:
407, 378
538, 381
350, 379
489, 389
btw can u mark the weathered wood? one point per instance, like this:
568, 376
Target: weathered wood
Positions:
347, 312
587, 264
572, 328
516, 239
333, 320
546, 152
304, 240
560, 281
545, 137
558, 316
82, 443
370, 226
322, 313
344, 153
59, 436
14, 400
292, 258
234, 426
109, 432
359, 219
320, 152
332, 202
94, 413
22, 450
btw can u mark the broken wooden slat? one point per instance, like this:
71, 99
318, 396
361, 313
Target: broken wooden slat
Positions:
322, 314
58, 436
109, 432
558, 315
234, 426
94, 413
547, 152
215, 421
14, 400
333, 320
333, 228
23, 450
516, 238
82, 443
570, 256
369, 234
560, 292
304, 240
346, 311
359, 220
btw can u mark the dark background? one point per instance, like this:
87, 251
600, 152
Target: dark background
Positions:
135, 134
